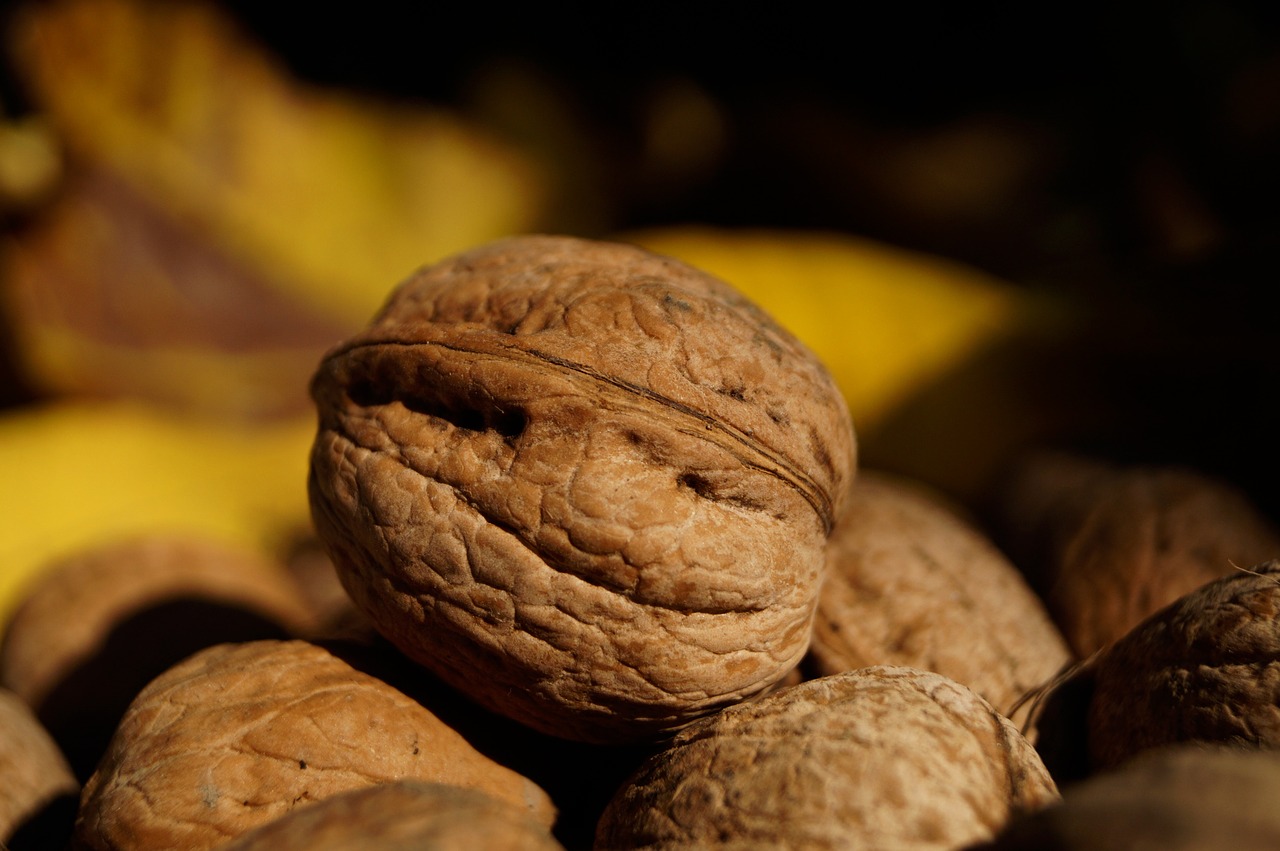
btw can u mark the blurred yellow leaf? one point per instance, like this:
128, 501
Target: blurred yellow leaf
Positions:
110, 297
29, 163
81, 474
885, 321
331, 195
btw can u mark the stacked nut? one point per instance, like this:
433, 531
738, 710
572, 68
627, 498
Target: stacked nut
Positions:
912, 581
628, 592
546, 452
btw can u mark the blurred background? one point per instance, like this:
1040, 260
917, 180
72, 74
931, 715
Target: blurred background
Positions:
1005, 231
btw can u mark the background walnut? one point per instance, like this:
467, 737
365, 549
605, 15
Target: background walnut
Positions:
37, 789
240, 734
1179, 798
882, 757
1205, 668
911, 582
98, 625
585, 484
1107, 545
403, 816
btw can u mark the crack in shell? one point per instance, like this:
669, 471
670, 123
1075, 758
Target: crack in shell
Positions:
560, 565
745, 448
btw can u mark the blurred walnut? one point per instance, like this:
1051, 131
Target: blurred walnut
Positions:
241, 734
1180, 798
37, 789
883, 757
1205, 668
98, 625
336, 616
1106, 546
585, 484
403, 816
911, 582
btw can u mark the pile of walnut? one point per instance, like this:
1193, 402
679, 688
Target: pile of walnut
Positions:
610, 582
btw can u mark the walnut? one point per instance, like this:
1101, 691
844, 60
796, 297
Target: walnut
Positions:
99, 624
37, 803
1179, 798
337, 617
882, 757
1205, 668
1107, 545
911, 582
585, 484
240, 734
403, 816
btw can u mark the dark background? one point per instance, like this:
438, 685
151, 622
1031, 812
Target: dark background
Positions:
1143, 138
1197, 83
1132, 111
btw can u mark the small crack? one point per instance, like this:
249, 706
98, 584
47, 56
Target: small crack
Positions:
769, 461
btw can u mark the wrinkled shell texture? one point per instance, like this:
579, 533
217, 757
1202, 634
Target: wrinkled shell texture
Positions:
32, 770
1181, 798
70, 611
241, 734
1107, 546
585, 484
884, 757
403, 816
1206, 668
911, 583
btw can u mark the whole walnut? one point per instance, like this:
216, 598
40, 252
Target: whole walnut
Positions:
912, 582
585, 484
240, 734
1106, 544
882, 757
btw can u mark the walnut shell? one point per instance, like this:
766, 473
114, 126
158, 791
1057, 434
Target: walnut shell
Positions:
911, 582
240, 734
403, 816
587, 485
36, 782
1180, 798
98, 625
883, 757
1205, 668
1107, 545
336, 615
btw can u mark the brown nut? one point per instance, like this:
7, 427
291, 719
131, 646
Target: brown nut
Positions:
1205, 668
240, 734
403, 816
587, 485
337, 617
882, 757
1180, 798
1108, 545
98, 625
911, 582
37, 788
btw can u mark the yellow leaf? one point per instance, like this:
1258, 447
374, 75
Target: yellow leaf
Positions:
76, 475
331, 195
110, 297
884, 320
